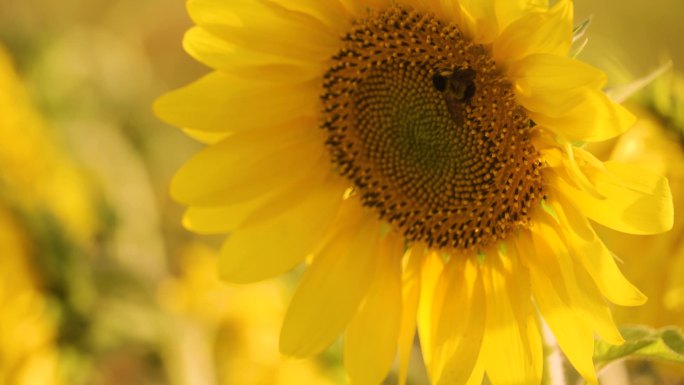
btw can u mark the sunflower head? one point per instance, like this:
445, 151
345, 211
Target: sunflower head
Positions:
429, 131
423, 159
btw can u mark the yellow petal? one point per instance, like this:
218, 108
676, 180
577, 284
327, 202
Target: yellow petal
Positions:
636, 201
547, 280
580, 291
551, 84
430, 273
276, 245
542, 31
206, 137
332, 13
512, 346
574, 337
224, 219
243, 62
266, 27
479, 20
597, 260
460, 327
478, 371
245, 166
595, 119
332, 288
564, 95
371, 340
409, 309
220, 102
508, 11
589, 304
218, 219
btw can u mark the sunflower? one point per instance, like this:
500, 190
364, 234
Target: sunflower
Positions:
656, 141
658, 146
28, 323
28, 331
424, 159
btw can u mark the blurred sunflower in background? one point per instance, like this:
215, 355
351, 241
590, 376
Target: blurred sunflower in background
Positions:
424, 160
75, 311
44, 196
27, 324
655, 263
655, 142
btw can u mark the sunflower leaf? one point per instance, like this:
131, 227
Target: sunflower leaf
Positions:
643, 342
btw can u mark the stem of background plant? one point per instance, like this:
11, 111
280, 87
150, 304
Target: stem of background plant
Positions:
554, 372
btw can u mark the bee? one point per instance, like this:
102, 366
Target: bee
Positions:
457, 87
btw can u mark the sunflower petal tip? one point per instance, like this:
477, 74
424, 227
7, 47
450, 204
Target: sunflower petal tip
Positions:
641, 300
635, 298
628, 119
292, 346
286, 346
591, 379
289, 352
158, 107
177, 189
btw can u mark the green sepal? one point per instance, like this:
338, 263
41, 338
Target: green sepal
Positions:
579, 40
580, 29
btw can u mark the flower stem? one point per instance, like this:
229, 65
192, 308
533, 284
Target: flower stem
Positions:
554, 372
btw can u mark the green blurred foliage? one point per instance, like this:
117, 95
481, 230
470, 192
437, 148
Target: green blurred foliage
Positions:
638, 34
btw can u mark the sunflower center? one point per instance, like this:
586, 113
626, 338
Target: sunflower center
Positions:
428, 130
